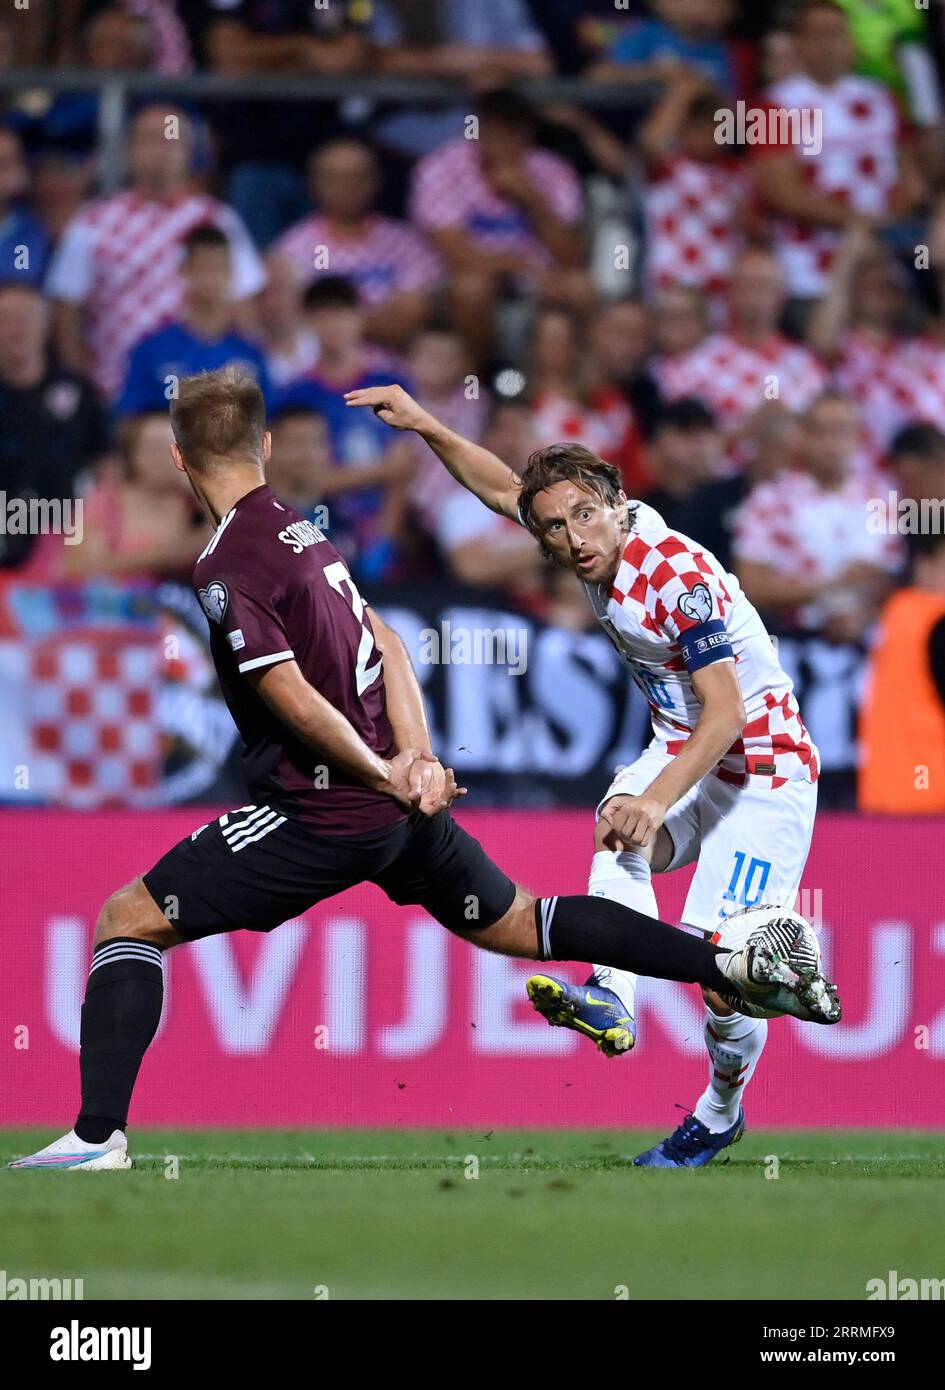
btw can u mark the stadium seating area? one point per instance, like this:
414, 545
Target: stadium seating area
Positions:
754, 332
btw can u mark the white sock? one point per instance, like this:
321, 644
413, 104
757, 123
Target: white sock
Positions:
625, 878
735, 1043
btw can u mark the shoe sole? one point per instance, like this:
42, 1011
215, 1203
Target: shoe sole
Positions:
115, 1161
548, 998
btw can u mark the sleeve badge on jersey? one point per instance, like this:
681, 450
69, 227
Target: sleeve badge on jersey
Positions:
213, 600
696, 605
236, 639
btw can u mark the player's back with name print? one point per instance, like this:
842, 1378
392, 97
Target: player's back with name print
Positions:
273, 586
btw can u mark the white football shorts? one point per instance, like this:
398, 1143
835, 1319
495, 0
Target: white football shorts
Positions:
750, 844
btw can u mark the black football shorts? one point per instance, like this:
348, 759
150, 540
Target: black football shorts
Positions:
256, 867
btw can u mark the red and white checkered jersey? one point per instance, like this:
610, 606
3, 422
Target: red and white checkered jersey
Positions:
450, 192
120, 256
797, 527
385, 258
734, 379
895, 382
693, 237
673, 609
858, 165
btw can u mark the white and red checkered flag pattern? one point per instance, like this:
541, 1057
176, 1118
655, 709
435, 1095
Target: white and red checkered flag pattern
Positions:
647, 612
894, 381
692, 214
120, 257
857, 166
79, 716
386, 258
734, 378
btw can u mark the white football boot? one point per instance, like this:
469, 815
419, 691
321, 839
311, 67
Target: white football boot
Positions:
774, 966
72, 1152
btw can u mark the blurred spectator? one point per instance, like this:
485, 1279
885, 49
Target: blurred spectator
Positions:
686, 453
803, 550
620, 339
288, 342
61, 184
680, 324
146, 523
862, 325
902, 719
264, 150
109, 38
392, 267
736, 372
503, 213
52, 428
686, 32
477, 546
859, 326
116, 272
167, 43
24, 243
580, 32
709, 514
569, 403
300, 461
777, 56
865, 169
372, 463
696, 192
917, 462
205, 337
478, 46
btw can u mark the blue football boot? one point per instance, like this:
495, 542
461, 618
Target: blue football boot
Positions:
691, 1145
589, 1009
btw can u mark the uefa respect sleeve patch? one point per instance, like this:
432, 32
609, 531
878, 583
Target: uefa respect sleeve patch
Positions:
705, 643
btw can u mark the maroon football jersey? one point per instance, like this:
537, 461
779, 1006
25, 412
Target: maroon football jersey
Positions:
273, 589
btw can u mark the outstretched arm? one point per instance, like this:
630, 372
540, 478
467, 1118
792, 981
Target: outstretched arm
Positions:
479, 470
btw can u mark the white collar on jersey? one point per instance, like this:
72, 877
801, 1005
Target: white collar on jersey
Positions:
215, 538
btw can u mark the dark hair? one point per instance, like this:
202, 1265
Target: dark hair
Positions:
808, 7
506, 107
566, 463
219, 418
927, 441
331, 292
205, 234
687, 414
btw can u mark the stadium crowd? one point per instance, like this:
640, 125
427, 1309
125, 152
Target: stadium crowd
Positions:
755, 334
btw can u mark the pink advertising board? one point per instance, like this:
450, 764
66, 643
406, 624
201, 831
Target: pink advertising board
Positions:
363, 1013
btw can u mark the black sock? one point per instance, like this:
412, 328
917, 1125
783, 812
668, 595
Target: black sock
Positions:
607, 933
120, 1016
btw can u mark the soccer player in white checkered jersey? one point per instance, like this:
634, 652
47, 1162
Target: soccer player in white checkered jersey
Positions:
729, 779
346, 789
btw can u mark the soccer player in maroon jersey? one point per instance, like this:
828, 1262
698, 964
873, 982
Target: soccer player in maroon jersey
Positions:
346, 789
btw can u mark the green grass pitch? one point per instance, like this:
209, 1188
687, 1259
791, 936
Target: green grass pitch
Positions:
378, 1214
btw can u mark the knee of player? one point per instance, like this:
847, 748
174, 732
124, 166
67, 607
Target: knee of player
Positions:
131, 911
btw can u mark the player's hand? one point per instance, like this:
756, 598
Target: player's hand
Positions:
391, 404
439, 786
633, 821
